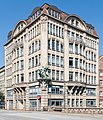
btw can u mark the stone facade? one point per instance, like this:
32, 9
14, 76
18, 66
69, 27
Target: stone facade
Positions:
64, 43
2, 79
101, 81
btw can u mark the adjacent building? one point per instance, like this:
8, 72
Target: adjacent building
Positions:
67, 45
101, 81
2, 79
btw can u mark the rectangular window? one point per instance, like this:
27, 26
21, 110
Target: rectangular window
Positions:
29, 63
62, 62
49, 59
57, 75
53, 44
57, 46
22, 64
32, 76
76, 62
70, 48
22, 51
70, 76
22, 78
57, 31
17, 52
76, 76
48, 44
32, 61
53, 74
53, 29
70, 62
76, 49
32, 47
53, 59
62, 49
62, 75
57, 60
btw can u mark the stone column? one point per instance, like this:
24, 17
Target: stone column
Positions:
66, 65
14, 100
27, 97
44, 97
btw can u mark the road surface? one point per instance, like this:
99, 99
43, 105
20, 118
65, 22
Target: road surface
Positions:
22, 115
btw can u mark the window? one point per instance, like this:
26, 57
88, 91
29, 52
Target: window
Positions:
18, 78
62, 75
80, 77
77, 37
53, 44
29, 50
53, 74
72, 102
32, 61
73, 35
76, 62
77, 23
100, 93
62, 33
90, 102
53, 59
80, 64
57, 60
80, 50
62, 49
62, 62
22, 78
22, 51
32, 76
70, 48
29, 63
36, 60
22, 64
18, 65
57, 31
70, 76
77, 102
76, 76
17, 52
72, 22
57, 46
68, 34
53, 29
57, 75
76, 49
49, 60
70, 62
56, 90
32, 47
48, 44
101, 83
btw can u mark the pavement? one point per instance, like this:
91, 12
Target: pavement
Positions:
33, 115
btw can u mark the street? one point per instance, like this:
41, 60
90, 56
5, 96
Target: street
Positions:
22, 115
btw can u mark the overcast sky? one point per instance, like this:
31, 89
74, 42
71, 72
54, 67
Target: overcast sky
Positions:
12, 11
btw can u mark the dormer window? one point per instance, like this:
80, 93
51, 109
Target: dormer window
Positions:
72, 22
18, 28
54, 13
77, 23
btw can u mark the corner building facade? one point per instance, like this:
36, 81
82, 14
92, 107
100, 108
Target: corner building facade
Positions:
65, 43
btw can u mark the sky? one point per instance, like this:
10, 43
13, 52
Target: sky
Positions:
12, 11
